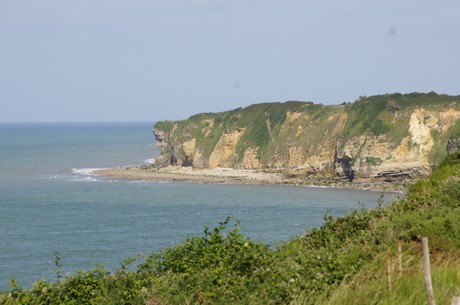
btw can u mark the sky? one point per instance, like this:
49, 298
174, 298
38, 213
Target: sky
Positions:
150, 60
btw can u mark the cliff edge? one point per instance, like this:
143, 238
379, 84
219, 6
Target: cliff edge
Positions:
388, 137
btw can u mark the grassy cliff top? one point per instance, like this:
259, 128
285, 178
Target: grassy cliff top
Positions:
365, 109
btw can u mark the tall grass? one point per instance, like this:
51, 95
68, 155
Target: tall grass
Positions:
371, 286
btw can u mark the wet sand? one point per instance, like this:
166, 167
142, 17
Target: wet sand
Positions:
236, 176
187, 174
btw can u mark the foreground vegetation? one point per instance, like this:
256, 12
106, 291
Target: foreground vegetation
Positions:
343, 262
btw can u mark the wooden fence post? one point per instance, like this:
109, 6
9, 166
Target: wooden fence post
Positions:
399, 257
455, 301
427, 272
389, 270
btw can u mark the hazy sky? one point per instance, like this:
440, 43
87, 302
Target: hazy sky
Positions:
149, 60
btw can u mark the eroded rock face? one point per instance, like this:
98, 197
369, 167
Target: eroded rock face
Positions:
377, 157
225, 149
160, 138
448, 119
161, 143
250, 159
189, 148
420, 125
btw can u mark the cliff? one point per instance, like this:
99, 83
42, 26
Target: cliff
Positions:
387, 137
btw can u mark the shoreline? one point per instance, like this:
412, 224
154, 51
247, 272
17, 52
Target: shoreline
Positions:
237, 176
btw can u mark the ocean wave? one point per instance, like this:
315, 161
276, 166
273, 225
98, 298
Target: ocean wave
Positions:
320, 186
84, 171
85, 175
149, 161
84, 179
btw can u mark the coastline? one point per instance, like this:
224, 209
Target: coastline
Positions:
187, 174
238, 176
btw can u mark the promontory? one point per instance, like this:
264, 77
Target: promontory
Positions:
383, 138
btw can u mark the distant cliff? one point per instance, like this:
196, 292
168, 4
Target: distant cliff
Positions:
389, 137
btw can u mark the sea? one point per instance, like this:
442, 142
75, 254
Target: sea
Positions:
51, 206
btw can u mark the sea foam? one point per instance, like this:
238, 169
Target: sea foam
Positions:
84, 171
84, 174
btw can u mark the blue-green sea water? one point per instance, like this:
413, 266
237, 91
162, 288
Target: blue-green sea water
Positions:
49, 204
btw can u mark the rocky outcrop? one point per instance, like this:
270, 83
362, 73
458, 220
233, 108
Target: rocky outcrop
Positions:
225, 148
386, 137
453, 145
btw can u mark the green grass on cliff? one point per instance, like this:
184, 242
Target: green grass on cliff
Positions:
455, 131
439, 150
381, 114
263, 123
343, 262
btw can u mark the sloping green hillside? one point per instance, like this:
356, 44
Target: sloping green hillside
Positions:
343, 262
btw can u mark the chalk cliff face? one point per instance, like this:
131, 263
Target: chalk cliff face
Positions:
385, 137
